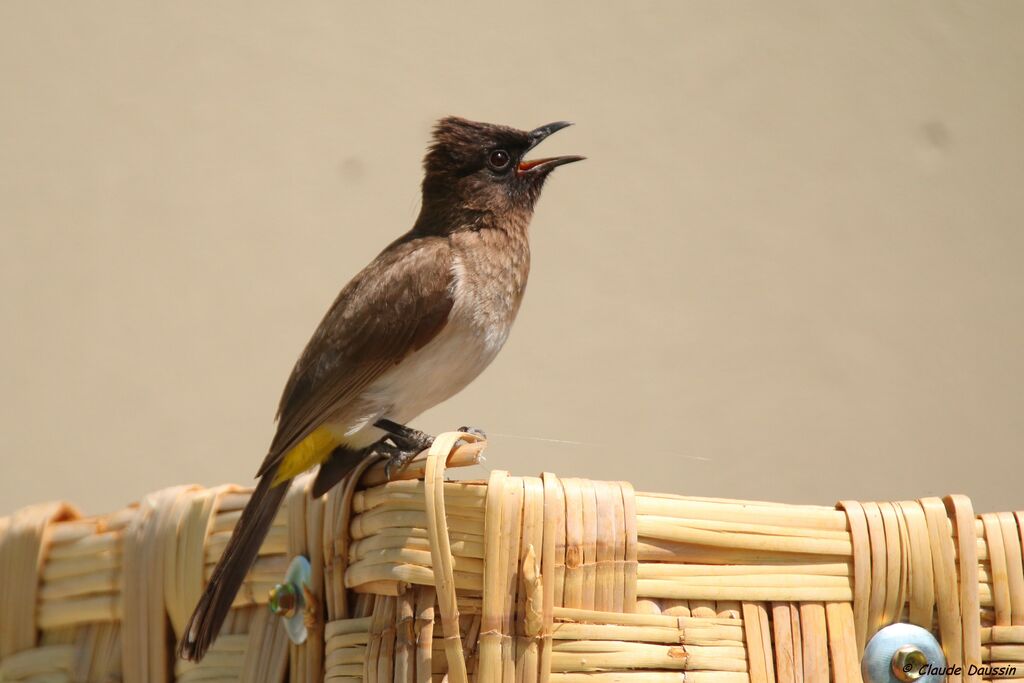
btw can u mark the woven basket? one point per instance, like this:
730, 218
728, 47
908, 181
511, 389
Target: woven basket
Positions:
513, 579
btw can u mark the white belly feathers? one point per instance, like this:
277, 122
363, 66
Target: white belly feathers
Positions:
476, 330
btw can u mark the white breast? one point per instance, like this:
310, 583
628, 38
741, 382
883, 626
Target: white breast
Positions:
475, 332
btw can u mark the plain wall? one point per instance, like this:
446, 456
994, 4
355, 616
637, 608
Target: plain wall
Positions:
789, 270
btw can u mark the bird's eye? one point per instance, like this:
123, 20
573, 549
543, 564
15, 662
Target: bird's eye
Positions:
499, 160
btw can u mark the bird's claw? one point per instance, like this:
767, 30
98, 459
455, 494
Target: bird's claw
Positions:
475, 431
403, 443
397, 461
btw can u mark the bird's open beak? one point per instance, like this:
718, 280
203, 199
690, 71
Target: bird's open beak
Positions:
537, 135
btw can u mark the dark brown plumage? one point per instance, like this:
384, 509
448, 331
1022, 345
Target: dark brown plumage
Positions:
412, 329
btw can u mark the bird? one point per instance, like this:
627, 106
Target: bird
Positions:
410, 330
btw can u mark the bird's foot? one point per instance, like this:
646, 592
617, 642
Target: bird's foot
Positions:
406, 443
397, 457
406, 438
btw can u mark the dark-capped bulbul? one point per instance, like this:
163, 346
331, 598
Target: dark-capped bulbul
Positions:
412, 329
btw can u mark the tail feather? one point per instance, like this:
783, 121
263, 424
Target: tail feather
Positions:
212, 608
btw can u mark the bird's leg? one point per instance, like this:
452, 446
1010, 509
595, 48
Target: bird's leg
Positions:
405, 438
406, 443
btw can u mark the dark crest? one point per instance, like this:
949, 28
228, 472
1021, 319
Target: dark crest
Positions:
476, 172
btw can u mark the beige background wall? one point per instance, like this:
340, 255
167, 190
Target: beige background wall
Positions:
790, 269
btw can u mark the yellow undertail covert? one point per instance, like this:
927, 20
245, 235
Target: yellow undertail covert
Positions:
312, 450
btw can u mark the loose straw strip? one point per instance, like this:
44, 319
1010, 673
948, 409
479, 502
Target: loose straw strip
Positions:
441, 556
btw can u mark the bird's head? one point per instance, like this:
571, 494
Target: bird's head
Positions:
480, 169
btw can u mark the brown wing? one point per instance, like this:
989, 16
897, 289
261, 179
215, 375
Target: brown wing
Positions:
395, 306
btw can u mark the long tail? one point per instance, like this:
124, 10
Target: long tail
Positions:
213, 606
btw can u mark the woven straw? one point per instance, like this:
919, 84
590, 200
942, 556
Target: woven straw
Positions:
510, 580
